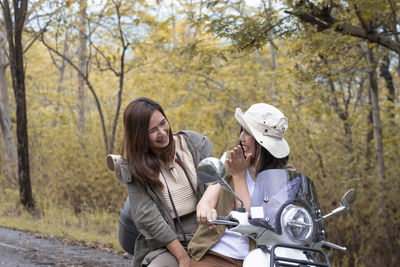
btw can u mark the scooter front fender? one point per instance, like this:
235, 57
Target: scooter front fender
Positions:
257, 257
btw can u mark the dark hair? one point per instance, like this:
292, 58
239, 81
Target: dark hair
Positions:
264, 160
143, 162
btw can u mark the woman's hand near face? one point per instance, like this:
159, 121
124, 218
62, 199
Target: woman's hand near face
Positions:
237, 164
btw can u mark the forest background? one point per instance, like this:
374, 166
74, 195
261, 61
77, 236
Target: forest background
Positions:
70, 67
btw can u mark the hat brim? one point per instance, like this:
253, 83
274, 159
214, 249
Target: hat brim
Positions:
279, 148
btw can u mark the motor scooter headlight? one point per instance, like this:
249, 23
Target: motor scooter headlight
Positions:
297, 223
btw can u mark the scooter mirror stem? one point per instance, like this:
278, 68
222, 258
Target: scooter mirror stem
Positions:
338, 210
227, 187
331, 245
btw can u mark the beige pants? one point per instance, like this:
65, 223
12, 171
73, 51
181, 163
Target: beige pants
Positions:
165, 259
189, 226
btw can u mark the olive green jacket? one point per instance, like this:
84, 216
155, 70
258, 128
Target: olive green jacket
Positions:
149, 210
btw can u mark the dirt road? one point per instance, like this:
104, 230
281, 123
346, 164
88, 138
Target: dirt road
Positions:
25, 249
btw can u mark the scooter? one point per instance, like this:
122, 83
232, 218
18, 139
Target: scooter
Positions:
284, 218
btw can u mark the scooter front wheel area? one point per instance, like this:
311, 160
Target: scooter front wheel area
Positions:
257, 257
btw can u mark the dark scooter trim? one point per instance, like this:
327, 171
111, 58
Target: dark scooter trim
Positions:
276, 261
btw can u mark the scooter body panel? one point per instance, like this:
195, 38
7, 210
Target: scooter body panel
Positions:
260, 258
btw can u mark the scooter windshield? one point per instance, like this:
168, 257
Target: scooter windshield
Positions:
275, 189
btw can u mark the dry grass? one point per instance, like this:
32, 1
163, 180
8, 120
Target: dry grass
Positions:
90, 228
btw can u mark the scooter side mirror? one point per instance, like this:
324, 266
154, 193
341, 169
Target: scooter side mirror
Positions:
347, 201
211, 170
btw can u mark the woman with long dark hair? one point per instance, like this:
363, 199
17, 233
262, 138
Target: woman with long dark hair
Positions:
261, 146
163, 189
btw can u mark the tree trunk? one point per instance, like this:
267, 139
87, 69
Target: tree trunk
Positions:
271, 44
398, 66
344, 116
391, 95
10, 150
271, 87
385, 73
383, 213
14, 37
61, 68
81, 92
369, 138
376, 117
90, 87
121, 75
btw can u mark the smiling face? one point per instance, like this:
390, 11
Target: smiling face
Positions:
158, 131
248, 143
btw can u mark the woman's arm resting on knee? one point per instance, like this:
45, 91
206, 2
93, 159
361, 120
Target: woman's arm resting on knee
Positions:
179, 252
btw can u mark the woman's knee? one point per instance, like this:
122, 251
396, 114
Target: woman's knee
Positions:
165, 259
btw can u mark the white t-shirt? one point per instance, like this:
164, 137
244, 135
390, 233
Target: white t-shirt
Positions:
233, 244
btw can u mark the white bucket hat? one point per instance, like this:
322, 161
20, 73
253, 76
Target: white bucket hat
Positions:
267, 125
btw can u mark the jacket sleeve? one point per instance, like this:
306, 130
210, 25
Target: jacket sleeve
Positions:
147, 217
200, 145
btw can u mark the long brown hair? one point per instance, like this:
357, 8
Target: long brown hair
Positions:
143, 162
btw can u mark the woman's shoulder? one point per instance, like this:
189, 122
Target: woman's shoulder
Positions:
190, 134
199, 145
196, 140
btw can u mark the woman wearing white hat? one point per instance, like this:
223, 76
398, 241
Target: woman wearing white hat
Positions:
261, 146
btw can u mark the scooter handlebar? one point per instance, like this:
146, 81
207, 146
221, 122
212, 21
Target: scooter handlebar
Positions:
229, 221
224, 218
